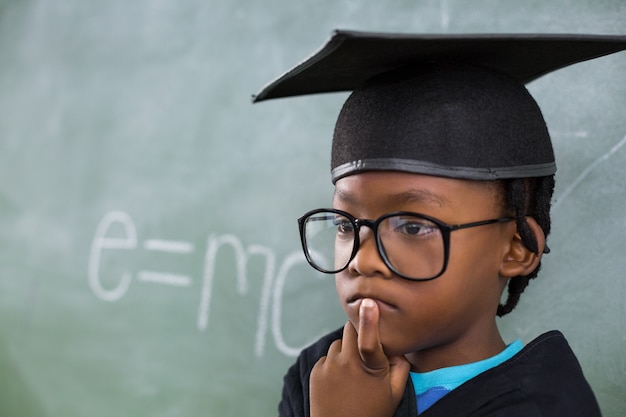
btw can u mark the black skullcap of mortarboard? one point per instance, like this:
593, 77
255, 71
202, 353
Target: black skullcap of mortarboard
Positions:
446, 120
445, 105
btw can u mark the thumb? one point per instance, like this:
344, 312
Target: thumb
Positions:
370, 348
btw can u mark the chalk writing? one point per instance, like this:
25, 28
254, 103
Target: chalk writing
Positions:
271, 294
100, 243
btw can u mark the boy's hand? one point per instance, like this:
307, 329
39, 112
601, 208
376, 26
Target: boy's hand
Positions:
356, 378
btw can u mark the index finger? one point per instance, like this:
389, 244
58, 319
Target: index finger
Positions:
370, 348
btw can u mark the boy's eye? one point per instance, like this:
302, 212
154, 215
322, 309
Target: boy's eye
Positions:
413, 227
343, 225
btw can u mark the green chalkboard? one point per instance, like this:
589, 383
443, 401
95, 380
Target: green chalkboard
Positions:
149, 257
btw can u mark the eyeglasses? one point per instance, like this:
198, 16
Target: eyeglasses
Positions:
412, 245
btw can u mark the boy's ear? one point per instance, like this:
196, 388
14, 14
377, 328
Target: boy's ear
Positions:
519, 260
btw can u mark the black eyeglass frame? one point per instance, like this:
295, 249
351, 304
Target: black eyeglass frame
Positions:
445, 229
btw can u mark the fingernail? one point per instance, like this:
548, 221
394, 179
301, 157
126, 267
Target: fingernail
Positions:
367, 303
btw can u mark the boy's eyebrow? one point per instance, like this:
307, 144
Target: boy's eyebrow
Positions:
405, 197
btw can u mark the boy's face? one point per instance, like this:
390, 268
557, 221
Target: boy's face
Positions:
453, 316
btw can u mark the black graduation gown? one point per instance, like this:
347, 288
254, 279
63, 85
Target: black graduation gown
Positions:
543, 380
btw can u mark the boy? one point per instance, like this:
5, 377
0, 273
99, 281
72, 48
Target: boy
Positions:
443, 171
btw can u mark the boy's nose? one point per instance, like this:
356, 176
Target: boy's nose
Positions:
368, 261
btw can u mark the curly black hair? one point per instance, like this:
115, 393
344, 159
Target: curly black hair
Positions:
526, 197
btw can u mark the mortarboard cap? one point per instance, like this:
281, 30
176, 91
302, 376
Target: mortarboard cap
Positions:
445, 105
